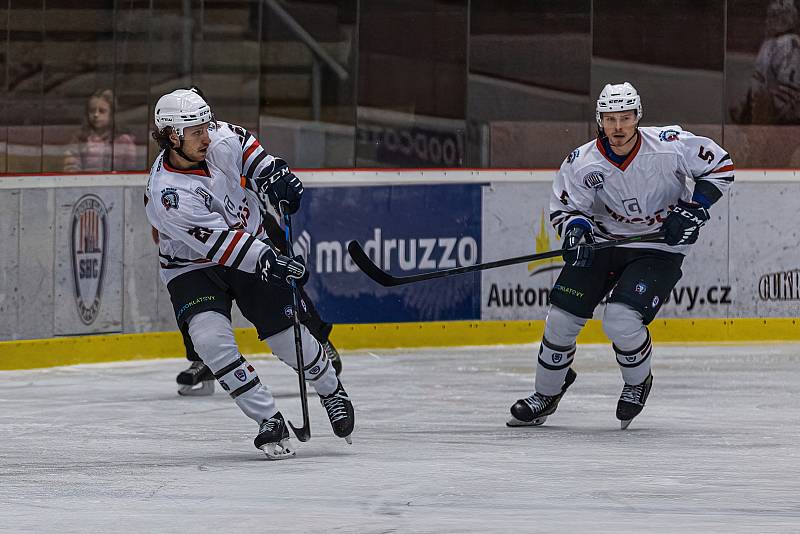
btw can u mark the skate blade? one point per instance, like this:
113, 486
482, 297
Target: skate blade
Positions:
513, 421
278, 451
203, 389
624, 424
348, 439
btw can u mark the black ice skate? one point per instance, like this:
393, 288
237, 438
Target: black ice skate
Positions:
273, 438
340, 412
533, 410
196, 381
333, 356
631, 401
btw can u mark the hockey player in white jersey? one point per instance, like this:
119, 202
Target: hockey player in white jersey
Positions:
629, 181
203, 197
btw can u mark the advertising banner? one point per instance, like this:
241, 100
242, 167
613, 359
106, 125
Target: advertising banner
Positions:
88, 265
516, 222
405, 230
765, 250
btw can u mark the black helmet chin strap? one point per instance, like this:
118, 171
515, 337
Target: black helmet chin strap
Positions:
181, 153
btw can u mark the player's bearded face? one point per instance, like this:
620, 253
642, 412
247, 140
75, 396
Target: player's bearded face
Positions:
196, 141
620, 127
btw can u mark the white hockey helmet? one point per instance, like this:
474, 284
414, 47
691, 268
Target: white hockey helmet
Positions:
180, 109
618, 97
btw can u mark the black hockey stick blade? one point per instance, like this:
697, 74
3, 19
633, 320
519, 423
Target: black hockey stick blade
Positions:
387, 280
304, 432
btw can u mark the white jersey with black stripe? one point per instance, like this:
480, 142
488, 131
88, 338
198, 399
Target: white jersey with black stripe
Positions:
633, 197
208, 216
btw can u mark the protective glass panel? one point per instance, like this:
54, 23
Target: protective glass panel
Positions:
412, 84
672, 52
529, 66
24, 67
763, 83
307, 80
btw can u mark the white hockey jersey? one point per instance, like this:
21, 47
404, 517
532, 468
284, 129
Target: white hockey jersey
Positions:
633, 197
211, 215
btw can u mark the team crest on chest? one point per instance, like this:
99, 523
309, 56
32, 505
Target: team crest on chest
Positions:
169, 198
594, 180
668, 135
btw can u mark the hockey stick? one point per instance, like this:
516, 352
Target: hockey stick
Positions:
387, 280
304, 432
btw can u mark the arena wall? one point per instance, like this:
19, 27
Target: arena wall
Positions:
79, 272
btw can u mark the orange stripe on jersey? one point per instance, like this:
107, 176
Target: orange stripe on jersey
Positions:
243, 181
228, 251
170, 168
726, 168
250, 150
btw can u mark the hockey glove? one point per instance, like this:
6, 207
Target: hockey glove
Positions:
577, 253
274, 267
278, 185
682, 225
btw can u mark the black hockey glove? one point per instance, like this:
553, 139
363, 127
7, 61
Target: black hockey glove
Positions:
576, 253
682, 225
274, 267
278, 185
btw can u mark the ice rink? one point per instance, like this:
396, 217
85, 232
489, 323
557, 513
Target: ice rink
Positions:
112, 448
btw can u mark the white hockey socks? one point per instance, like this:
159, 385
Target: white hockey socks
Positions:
318, 369
212, 336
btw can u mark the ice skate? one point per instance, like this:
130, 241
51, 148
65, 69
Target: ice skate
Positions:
273, 438
533, 410
631, 401
340, 412
196, 381
333, 356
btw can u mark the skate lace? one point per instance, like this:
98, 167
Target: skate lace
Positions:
269, 425
537, 402
335, 407
330, 351
632, 394
197, 365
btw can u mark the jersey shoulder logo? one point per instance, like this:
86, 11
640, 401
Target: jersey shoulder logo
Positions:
594, 180
169, 198
573, 155
668, 135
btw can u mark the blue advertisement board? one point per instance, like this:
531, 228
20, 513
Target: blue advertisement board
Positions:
405, 230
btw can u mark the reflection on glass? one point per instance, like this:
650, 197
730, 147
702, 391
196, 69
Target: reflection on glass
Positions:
763, 83
3, 95
132, 22
670, 51
79, 60
306, 85
25, 82
412, 84
528, 81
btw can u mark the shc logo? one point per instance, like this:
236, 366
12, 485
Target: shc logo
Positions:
594, 180
240, 375
640, 288
89, 236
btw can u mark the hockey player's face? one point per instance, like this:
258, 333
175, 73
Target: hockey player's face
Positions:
620, 127
196, 141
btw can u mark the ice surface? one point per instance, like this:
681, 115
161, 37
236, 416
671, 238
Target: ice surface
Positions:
113, 448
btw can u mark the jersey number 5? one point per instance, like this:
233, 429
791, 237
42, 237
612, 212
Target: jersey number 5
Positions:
706, 155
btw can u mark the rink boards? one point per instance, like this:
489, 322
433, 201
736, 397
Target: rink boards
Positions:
78, 260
